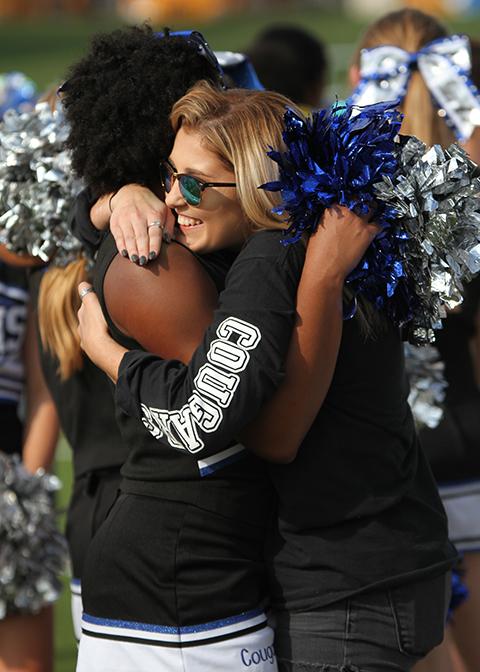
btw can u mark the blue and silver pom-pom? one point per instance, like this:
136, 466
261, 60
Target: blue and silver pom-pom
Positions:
425, 201
33, 553
426, 375
37, 186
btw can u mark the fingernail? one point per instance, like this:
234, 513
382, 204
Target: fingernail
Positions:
142, 260
124, 253
134, 258
152, 255
166, 237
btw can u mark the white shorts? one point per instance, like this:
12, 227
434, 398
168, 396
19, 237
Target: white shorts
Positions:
234, 645
462, 505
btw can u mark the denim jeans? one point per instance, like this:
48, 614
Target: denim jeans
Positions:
380, 631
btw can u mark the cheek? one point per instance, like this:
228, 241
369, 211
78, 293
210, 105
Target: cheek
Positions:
230, 223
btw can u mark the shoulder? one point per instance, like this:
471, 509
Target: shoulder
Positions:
163, 304
175, 267
267, 249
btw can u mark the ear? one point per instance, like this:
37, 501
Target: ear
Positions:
354, 76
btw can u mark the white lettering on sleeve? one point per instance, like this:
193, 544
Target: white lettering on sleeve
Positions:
214, 388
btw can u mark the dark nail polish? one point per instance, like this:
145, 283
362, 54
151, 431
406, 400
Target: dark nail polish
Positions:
142, 260
166, 237
124, 253
152, 255
134, 258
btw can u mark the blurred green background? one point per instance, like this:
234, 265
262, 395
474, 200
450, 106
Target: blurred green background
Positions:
43, 49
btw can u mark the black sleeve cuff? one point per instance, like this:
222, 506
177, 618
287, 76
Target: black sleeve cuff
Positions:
81, 225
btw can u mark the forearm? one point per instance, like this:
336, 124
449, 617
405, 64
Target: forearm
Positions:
281, 426
109, 356
41, 426
41, 435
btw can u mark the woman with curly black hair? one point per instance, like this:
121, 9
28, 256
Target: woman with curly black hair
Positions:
117, 100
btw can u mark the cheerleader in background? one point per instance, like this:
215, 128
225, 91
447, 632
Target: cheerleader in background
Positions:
453, 450
26, 639
76, 388
408, 55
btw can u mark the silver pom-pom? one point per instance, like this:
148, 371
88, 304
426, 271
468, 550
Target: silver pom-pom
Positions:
435, 194
33, 553
425, 372
37, 186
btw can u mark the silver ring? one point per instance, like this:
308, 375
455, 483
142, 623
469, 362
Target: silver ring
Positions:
86, 290
157, 223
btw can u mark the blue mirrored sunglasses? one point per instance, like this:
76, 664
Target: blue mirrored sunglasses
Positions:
191, 188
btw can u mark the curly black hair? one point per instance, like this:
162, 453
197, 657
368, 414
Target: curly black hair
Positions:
117, 101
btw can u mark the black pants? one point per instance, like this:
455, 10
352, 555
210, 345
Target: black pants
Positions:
381, 631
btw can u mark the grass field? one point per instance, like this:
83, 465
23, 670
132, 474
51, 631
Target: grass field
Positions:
43, 49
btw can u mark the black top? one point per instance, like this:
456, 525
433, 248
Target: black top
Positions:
228, 480
358, 507
85, 408
453, 446
13, 317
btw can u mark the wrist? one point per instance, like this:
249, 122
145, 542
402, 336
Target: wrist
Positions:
100, 213
319, 271
110, 201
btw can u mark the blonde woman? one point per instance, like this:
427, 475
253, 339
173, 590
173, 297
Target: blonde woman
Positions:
358, 487
26, 639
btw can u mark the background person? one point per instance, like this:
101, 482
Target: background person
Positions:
26, 639
292, 61
452, 446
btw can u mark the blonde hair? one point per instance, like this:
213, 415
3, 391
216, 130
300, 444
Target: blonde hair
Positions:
58, 303
412, 29
239, 126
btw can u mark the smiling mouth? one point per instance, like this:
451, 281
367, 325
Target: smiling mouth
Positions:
188, 222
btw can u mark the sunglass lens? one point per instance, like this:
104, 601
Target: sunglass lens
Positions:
166, 175
191, 189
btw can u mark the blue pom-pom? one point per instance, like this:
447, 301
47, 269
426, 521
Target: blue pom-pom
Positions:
337, 157
459, 592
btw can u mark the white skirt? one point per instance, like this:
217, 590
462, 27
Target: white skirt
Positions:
237, 643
